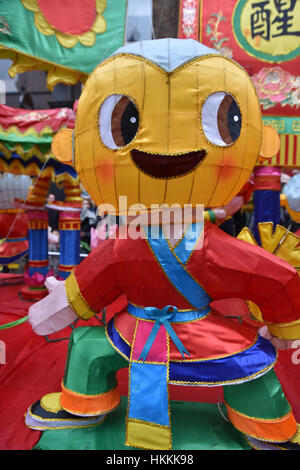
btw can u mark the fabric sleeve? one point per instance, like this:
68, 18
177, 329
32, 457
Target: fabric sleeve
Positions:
236, 269
91, 285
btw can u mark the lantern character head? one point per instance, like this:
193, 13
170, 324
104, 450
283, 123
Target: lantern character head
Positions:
164, 121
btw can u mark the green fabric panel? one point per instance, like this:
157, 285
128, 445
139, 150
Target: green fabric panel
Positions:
92, 362
195, 426
26, 38
260, 398
44, 148
30, 140
13, 323
283, 124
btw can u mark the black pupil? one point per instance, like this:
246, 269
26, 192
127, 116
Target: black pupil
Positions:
234, 121
129, 123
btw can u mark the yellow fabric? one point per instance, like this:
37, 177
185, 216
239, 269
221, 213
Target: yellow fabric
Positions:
255, 311
283, 244
285, 331
56, 74
147, 436
51, 402
207, 216
247, 236
296, 438
270, 144
169, 106
31, 131
62, 146
11, 211
76, 300
17, 167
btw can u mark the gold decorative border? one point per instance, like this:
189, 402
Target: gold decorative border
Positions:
55, 73
262, 420
79, 395
76, 300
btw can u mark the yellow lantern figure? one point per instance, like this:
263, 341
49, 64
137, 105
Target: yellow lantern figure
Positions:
184, 131
168, 122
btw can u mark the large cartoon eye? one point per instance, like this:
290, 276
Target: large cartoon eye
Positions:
118, 121
221, 119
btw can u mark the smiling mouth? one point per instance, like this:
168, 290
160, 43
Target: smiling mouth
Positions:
167, 166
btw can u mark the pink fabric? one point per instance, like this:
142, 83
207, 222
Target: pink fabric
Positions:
280, 344
53, 238
52, 313
231, 208
26, 119
159, 349
267, 170
98, 234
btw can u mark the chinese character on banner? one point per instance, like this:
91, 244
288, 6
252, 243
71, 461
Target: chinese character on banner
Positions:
260, 20
286, 18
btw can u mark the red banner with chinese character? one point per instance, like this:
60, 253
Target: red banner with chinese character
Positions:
263, 36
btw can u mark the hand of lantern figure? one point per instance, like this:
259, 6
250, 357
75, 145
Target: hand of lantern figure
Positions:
279, 343
52, 313
231, 208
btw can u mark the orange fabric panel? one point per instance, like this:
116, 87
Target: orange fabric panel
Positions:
93, 405
277, 430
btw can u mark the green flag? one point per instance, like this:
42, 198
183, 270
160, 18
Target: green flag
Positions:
66, 38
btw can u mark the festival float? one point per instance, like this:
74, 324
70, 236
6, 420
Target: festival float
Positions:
25, 149
168, 333
158, 293
13, 229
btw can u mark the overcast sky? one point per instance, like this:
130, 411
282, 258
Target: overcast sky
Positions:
10, 84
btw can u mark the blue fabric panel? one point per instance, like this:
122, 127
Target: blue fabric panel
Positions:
266, 209
38, 244
236, 367
117, 340
260, 356
178, 276
186, 246
188, 315
149, 393
69, 247
11, 259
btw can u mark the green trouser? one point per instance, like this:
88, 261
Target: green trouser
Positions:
89, 385
260, 409
257, 407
